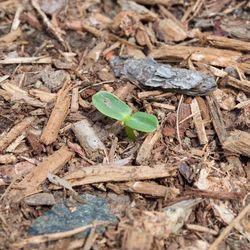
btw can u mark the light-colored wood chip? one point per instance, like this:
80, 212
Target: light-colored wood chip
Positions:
19, 95
74, 100
229, 43
16, 131
97, 174
198, 122
38, 175
137, 239
151, 188
58, 114
146, 148
11, 36
211, 56
201, 229
87, 137
171, 31
217, 118
44, 96
163, 106
18, 60
238, 142
16, 21
7, 159
145, 94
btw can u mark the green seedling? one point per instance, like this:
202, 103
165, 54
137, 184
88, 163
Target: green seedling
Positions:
111, 106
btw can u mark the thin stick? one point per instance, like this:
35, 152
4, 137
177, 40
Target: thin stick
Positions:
13, 182
49, 25
177, 121
56, 236
18, 60
188, 117
16, 21
97, 84
227, 230
90, 240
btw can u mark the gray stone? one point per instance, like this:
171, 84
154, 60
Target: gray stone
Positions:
60, 218
149, 73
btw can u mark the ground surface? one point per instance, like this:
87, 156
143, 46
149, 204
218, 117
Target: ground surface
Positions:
53, 59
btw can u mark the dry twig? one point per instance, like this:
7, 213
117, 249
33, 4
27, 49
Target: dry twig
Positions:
227, 230
55, 236
47, 22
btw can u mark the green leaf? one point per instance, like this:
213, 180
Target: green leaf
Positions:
111, 106
142, 121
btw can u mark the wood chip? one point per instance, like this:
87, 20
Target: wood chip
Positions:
145, 150
18, 60
16, 131
238, 142
38, 175
74, 100
199, 124
171, 31
43, 95
217, 118
229, 43
97, 174
51, 28
19, 95
7, 159
154, 2
145, 94
152, 189
163, 106
211, 56
201, 229
87, 137
137, 239
58, 114
124, 91
16, 21
243, 85
11, 37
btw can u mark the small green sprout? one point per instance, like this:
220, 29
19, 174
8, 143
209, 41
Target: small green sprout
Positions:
111, 106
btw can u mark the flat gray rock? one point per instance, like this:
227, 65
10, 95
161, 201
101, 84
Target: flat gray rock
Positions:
60, 218
156, 75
